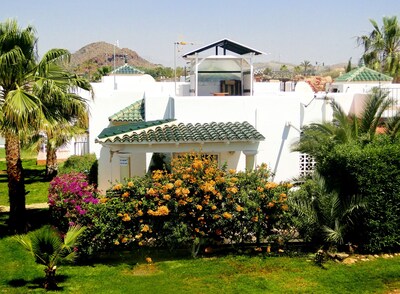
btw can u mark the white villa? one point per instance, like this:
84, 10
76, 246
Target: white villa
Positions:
221, 110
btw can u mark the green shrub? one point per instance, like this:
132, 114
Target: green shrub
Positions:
86, 164
372, 172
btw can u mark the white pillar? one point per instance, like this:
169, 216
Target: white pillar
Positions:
250, 158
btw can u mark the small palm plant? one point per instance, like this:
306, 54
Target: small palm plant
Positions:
48, 248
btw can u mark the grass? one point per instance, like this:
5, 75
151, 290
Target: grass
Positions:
129, 273
35, 185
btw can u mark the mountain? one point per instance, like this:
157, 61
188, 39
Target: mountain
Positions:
100, 54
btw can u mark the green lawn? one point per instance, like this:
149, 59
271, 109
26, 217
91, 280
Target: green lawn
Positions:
226, 274
35, 185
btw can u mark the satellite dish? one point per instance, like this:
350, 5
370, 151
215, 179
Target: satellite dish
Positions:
305, 92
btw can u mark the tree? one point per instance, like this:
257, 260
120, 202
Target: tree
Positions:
19, 110
102, 71
382, 47
323, 216
66, 112
48, 249
348, 68
306, 65
318, 138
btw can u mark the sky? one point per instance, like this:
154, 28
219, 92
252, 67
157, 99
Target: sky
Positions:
289, 31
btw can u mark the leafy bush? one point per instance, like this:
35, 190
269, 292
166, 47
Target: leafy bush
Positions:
70, 196
197, 203
86, 164
372, 172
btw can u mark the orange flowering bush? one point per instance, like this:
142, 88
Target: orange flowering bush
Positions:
197, 203
266, 204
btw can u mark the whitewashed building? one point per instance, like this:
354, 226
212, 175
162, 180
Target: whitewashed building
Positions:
221, 110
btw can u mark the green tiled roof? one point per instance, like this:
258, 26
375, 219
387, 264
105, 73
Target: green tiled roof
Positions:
133, 112
363, 74
168, 131
126, 69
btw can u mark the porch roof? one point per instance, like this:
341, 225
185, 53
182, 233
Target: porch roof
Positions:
127, 69
169, 131
226, 44
131, 113
363, 74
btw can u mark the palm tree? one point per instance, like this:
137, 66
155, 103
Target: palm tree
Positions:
19, 110
319, 138
323, 216
306, 65
66, 112
48, 249
382, 47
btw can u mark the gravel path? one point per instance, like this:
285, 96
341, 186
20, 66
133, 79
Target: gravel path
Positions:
30, 206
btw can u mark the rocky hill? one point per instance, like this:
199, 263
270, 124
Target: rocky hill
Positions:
100, 54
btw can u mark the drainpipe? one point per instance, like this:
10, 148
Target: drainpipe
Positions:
197, 75
251, 73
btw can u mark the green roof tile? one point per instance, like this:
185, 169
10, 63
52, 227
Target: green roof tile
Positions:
363, 74
130, 127
168, 131
127, 69
131, 113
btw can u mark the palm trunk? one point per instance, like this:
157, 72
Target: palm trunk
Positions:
51, 162
16, 185
50, 279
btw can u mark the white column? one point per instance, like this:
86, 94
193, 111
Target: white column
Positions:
250, 158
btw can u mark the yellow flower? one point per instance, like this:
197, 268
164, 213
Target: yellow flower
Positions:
116, 242
140, 243
197, 230
140, 213
126, 194
185, 191
199, 207
103, 199
138, 236
213, 207
124, 240
260, 189
254, 219
239, 208
169, 186
130, 184
151, 192
197, 164
117, 187
167, 197
232, 190
126, 217
271, 204
270, 185
285, 207
232, 171
157, 174
178, 183
163, 210
149, 260
216, 216
145, 228
227, 215
282, 197
182, 202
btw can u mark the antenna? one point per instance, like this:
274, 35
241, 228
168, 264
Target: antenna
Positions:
177, 49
